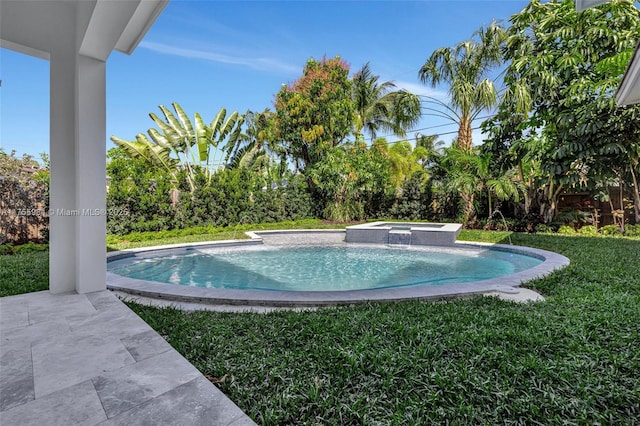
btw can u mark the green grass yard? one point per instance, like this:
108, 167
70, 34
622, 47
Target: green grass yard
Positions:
574, 359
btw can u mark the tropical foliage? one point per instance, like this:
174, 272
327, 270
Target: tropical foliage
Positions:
547, 78
195, 148
466, 69
563, 69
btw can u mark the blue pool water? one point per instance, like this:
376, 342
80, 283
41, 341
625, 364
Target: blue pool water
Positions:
322, 268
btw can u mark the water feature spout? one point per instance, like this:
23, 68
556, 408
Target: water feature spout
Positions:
504, 221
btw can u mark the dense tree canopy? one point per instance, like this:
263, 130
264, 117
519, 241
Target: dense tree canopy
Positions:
560, 83
315, 113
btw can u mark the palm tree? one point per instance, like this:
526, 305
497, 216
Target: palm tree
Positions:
405, 162
432, 145
379, 107
256, 148
469, 174
465, 68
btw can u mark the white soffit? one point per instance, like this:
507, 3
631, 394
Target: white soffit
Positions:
38, 27
31, 27
586, 4
143, 18
119, 25
106, 22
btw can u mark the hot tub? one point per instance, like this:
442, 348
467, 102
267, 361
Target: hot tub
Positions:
407, 233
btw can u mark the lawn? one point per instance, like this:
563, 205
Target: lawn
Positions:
574, 359
24, 273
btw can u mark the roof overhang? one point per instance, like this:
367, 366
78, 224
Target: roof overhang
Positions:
37, 27
628, 91
586, 4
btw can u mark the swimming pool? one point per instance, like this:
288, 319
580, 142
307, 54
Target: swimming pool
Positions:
323, 268
312, 268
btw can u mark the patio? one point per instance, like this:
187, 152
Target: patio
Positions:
87, 359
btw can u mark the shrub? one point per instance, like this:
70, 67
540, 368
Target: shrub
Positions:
410, 204
566, 230
30, 247
139, 198
611, 230
24, 196
542, 228
574, 217
588, 230
632, 230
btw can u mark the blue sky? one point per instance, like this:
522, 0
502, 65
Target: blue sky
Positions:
206, 55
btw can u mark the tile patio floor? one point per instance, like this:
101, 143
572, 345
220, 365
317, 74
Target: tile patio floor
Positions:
87, 359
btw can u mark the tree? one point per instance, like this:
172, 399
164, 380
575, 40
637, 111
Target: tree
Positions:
315, 113
466, 68
432, 146
405, 162
195, 148
257, 149
379, 107
564, 69
513, 145
469, 173
349, 181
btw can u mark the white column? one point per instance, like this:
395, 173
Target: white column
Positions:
62, 194
77, 189
90, 169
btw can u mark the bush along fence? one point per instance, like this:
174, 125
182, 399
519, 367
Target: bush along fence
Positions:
24, 199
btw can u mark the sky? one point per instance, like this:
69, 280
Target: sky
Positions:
207, 55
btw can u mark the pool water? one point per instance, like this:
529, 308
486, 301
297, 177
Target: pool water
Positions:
323, 268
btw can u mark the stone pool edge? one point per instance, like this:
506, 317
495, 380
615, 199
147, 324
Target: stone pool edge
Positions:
552, 261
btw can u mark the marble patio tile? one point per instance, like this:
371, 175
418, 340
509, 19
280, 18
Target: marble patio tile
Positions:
63, 362
75, 405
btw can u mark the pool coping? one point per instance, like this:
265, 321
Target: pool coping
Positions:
551, 262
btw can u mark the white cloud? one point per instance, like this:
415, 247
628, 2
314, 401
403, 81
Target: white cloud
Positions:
262, 64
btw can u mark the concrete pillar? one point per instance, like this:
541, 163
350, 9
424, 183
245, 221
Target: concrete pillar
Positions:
78, 177
91, 177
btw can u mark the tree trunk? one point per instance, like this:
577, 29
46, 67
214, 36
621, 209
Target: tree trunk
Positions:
548, 208
529, 193
468, 209
635, 192
621, 186
465, 141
